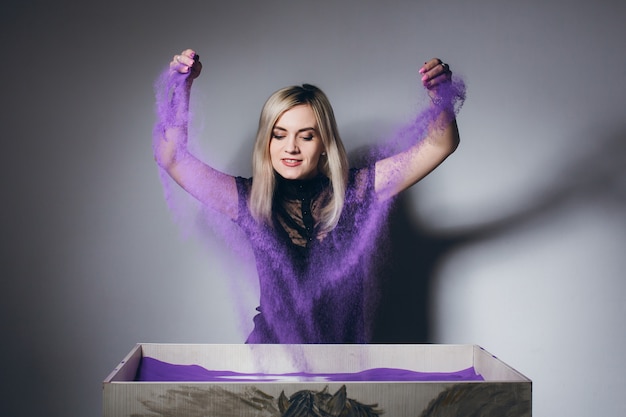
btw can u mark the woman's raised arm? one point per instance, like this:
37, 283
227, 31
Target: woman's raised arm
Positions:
211, 187
398, 172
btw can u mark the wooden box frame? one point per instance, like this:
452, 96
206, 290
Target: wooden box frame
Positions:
503, 388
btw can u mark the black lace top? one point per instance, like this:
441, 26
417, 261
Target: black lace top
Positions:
297, 205
313, 285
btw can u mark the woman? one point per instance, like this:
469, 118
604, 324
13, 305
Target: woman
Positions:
312, 222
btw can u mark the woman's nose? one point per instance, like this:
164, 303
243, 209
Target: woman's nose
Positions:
291, 146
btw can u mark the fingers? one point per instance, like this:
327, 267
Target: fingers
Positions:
186, 62
435, 72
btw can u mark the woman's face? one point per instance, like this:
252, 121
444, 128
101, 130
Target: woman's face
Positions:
295, 145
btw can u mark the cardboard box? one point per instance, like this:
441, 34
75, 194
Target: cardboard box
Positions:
503, 390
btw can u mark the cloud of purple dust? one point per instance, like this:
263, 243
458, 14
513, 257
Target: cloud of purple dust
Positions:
328, 295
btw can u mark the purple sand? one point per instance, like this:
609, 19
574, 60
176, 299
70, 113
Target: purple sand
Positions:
153, 370
291, 302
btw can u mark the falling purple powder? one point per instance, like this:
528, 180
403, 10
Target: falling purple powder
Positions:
328, 293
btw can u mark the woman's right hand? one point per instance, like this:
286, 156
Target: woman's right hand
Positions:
187, 62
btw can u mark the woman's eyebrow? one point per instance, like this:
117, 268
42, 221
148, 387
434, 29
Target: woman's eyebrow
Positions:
304, 129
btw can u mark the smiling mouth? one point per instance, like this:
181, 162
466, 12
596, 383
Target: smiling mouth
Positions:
291, 162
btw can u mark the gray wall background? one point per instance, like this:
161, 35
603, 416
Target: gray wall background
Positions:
531, 207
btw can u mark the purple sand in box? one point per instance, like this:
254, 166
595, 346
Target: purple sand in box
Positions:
153, 370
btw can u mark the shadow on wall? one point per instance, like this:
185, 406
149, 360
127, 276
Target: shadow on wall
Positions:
594, 174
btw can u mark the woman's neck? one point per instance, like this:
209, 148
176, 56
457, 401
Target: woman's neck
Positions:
300, 188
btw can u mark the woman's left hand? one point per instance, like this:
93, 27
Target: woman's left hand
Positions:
188, 62
435, 72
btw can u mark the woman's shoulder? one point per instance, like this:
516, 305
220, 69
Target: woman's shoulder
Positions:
244, 187
243, 184
358, 172
361, 181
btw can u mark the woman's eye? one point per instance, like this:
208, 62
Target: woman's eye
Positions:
277, 136
307, 138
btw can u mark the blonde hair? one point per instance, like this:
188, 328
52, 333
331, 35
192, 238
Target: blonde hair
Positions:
334, 165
